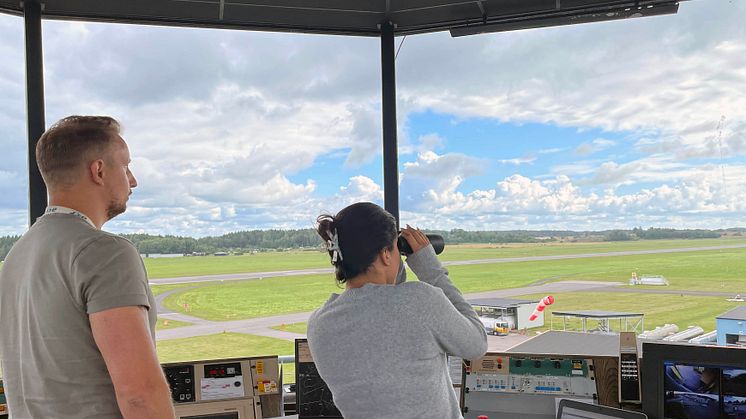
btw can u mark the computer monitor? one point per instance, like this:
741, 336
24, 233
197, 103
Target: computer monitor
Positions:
573, 409
312, 396
690, 381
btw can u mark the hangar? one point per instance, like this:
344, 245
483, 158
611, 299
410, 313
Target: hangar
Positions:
515, 311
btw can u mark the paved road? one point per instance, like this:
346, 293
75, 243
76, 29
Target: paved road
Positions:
315, 271
234, 277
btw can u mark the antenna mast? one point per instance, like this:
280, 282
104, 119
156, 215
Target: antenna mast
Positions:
720, 148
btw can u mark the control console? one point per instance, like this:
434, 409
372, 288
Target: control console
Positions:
243, 388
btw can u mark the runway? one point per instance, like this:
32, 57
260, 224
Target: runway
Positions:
320, 271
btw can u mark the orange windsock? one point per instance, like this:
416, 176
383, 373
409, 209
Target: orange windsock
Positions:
546, 301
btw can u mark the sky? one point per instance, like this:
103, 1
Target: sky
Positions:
588, 127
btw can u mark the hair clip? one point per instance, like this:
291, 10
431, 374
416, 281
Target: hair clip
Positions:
333, 246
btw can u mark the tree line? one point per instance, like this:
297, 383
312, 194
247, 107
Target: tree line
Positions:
261, 240
653, 233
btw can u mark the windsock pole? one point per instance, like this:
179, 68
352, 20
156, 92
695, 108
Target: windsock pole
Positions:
546, 301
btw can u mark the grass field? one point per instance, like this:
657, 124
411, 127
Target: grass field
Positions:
719, 270
683, 310
226, 345
222, 345
274, 261
704, 270
259, 298
210, 265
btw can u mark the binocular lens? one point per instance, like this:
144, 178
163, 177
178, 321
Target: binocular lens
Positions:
435, 239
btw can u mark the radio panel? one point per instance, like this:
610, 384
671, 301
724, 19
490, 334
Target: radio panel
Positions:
244, 388
528, 386
629, 369
532, 375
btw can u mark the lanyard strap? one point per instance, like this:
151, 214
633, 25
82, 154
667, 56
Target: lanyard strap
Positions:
55, 209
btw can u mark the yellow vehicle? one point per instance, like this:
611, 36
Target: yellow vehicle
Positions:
502, 328
493, 326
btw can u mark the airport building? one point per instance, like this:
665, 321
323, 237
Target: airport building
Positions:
731, 329
515, 312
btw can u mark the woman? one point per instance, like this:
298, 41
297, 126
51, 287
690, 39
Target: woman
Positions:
381, 345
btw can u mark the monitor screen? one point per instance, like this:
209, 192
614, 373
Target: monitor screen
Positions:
691, 391
704, 391
687, 382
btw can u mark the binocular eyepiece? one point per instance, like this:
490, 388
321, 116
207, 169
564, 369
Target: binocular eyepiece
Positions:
435, 239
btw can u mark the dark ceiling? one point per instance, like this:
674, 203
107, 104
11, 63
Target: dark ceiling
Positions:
345, 17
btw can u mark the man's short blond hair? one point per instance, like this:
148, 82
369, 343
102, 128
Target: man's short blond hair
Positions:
71, 143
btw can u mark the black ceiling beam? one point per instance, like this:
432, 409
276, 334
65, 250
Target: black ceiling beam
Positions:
562, 17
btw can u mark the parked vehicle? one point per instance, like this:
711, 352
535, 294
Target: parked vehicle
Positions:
495, 326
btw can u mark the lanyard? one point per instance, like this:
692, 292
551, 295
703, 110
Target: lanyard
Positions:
54, 209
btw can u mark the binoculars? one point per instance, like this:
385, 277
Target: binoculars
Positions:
435, 239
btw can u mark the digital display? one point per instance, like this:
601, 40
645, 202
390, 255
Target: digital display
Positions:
703, 391
223, 370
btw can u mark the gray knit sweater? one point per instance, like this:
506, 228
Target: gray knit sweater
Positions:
382, 348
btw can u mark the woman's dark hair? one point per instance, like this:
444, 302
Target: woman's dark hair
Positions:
363, 229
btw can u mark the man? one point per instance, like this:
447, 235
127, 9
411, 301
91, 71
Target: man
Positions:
77, 316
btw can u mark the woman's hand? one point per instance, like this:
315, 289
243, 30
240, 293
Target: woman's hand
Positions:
416, 239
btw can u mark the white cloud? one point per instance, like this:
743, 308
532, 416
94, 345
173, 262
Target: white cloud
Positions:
365, 136
440, 171
611, 172
519, 160
518, 202
360, 188
220, 123
594, 146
